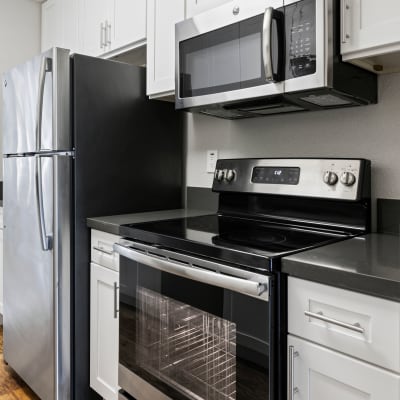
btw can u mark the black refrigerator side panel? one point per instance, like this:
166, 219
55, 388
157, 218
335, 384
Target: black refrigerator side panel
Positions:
129, 158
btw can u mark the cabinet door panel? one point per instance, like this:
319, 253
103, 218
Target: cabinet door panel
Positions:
194, 7
368, 23
103, 332
51, 26
320, 373
94, 14
161, 18
129, 22
70, 20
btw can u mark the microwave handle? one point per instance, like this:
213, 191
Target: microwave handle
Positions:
270, 15
248, 287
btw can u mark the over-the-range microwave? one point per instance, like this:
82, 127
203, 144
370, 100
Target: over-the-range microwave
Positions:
249, 58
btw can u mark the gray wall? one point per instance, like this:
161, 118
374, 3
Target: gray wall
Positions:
20, 38
369, 132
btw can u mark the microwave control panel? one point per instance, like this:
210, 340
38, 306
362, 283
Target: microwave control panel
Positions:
300, 23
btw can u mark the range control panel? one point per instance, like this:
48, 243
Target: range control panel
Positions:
306, 177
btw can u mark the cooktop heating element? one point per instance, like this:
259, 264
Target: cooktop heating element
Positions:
269, 208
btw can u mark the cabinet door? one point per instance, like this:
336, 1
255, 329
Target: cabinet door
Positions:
103, 332
322, 374
95, 19
370, 26
51, 24
161, 18
129, 25
194, 7
70, 27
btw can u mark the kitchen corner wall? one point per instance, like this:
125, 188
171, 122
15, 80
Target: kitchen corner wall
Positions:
20, 39
371, 132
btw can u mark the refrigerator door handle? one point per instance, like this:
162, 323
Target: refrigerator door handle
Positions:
46, 239
45, 66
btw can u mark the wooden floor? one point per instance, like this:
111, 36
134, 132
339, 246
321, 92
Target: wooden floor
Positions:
11, 386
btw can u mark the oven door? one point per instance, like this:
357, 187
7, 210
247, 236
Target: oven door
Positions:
193, 329
233, 52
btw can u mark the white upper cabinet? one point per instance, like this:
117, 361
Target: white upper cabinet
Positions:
51, 24
60, 24
371, 34
95, 26
161, 18
194, 7
129, 23
70, 24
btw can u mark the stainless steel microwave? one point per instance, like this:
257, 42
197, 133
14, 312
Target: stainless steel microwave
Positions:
259, 57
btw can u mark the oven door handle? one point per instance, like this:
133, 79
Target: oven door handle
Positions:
245, 286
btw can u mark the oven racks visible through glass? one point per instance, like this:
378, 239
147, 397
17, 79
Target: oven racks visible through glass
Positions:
189, 349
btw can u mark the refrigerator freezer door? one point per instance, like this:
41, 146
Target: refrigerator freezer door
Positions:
36, 99
29, 330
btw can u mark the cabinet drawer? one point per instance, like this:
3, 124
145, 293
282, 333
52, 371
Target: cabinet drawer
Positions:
322, 374
358, 325
102, 249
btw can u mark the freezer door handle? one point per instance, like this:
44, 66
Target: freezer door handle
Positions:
45, 66
46, 239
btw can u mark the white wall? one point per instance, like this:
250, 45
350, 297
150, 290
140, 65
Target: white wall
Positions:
371, 132
20, 38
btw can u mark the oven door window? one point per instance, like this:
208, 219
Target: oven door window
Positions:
192, 340
223, 60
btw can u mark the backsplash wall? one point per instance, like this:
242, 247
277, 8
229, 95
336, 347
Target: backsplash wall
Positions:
371, 132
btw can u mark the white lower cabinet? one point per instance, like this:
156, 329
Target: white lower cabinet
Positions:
323, 374
342, 345
104, 331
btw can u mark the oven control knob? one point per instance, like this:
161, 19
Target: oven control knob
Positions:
219, 175
230, 175
330, 178
348, 179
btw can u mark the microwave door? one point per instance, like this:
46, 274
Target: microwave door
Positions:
223, 57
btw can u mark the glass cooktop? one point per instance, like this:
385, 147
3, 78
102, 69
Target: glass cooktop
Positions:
238, 240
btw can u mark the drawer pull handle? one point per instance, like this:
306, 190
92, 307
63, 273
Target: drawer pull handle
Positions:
116, 301
293, 390
108, 252
353, 327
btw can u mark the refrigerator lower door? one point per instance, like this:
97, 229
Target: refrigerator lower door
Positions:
36, 98
29, 290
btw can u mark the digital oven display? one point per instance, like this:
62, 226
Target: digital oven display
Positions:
276, 175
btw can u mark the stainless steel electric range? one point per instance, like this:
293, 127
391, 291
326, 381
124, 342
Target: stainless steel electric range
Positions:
202, 302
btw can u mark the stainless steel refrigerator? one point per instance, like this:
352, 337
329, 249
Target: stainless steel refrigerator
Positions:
80, 139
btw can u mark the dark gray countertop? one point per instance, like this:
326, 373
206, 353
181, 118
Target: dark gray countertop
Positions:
112, 223
369, 264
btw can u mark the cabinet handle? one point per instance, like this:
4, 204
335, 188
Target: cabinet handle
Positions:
102, 35
108, 34
345, 7
108, 252
292, 389
319, 315
116, 310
